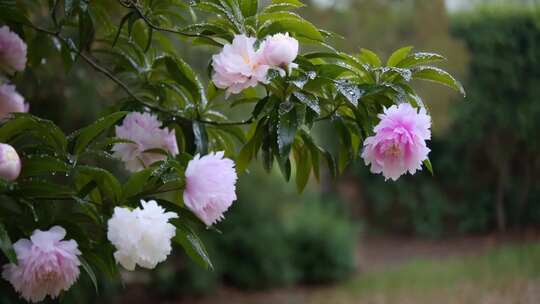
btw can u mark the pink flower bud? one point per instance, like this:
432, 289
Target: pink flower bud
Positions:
280, 50
399, 143
11, 101
10, 163
12, 51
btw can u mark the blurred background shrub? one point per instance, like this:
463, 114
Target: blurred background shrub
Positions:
270, 239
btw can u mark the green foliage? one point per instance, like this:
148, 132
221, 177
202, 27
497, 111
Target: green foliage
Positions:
71, 180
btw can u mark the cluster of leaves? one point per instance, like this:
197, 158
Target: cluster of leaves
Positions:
135, 43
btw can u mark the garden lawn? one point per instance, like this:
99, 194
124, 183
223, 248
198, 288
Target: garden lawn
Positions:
510, 274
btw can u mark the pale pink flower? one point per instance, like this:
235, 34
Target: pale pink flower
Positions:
210, 186
47, 265
11, 101
12, 51
399, 143
10, 163
144, 129
239, 66
279, 51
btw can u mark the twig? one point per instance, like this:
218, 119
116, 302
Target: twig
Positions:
124, 86
159, 28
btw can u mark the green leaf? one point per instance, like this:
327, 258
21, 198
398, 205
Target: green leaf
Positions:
27, 124
297, 3
68, 57
6, 246
184, 76
439, 76
331, 161
107, 183
193, 246
303, 167
288, 124
88, 269
86, 135
314, 152
86, 29
136, 183
42, 189
201, 137
350, 91
398, 56
419, 58
280, 7
370, 58
427, 164
281, 22
250, 149
38, 165
309, 100
285, 168
249, 7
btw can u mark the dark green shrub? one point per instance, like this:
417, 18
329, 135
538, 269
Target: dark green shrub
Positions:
181, 276
253, 249
323, 242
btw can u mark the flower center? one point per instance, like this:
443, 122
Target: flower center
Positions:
50, 276
393, 151
248, 61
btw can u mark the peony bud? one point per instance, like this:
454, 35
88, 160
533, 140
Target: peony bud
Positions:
11, 101
12, 51
280, 50
10, 163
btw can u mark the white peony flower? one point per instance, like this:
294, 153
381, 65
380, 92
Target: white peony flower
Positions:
141, 236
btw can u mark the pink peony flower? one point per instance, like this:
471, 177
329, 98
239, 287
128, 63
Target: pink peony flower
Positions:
46, 265
399, 143
10, 163
144, 130
11, 101
210, 186
12, 51
239, 66
280, 51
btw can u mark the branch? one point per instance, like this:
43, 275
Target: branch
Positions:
130, 4
124, 86
330, 115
